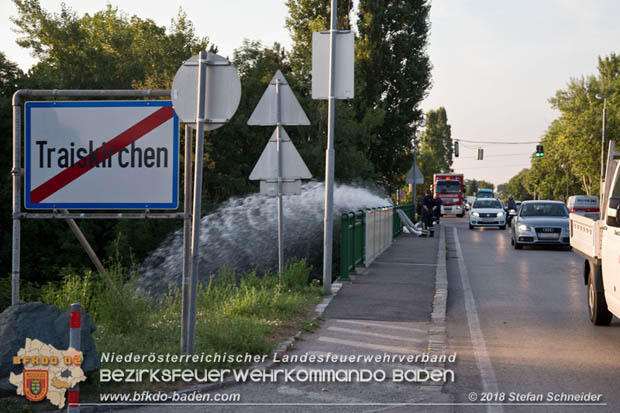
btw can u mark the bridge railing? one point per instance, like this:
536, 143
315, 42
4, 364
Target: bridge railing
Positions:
365, 234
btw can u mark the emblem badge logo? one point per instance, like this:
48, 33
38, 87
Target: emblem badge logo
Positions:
36, 384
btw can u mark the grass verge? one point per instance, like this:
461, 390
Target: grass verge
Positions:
237, 314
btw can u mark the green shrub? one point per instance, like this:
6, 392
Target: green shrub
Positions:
73, 288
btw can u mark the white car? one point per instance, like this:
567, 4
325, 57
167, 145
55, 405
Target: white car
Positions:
487, 213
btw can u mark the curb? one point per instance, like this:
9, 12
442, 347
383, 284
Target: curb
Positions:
438, 331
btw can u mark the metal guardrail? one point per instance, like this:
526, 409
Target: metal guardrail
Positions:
365, 234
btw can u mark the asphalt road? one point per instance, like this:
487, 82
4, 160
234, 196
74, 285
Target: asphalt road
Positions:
532, 332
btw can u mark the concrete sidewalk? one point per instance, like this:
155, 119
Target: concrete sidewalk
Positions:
394, 307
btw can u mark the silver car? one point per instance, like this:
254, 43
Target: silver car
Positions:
541, 222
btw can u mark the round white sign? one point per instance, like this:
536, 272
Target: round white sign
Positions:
222, 91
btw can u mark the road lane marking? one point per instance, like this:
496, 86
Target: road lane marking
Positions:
364, 323
487, 374
380, 347
371, 334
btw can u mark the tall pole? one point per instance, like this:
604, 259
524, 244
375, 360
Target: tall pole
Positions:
603, 143
16, 244
200, 111
415, 187
187, 238
328, 224
279, 162
566, 199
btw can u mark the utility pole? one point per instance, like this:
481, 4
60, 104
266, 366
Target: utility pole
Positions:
415, 192
328, 223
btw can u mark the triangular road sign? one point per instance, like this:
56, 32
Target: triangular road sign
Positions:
293, 167
291, 113
418, 175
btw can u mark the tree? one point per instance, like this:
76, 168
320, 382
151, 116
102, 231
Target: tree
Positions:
573, 141
437, 146
392, 75
517, 186
471, 187
111, 50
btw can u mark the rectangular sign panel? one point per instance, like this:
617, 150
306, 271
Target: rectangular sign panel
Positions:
101, 155
344, 65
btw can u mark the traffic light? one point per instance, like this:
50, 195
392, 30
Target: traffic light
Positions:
480, 154
456, 149
540, 152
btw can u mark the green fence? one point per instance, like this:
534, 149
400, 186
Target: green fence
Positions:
353, 237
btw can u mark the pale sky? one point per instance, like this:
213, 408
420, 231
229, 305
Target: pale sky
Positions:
495, 62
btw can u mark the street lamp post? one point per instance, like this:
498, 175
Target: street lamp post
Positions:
604, 98
415, 200
565, 166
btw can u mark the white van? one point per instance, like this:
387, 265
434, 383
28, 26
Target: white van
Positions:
584, 205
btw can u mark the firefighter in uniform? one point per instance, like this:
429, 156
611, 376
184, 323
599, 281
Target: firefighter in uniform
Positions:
437, 210
428, 204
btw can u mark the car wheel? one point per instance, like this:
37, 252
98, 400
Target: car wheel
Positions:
517, 245
471, 226
597, 306
502, 226
512, 241
461, 215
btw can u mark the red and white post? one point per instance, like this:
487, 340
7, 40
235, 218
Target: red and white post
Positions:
75, 327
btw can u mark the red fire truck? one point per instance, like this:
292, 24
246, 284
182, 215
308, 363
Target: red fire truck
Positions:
451, 189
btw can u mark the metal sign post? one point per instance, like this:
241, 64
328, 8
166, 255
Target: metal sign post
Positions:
200, 110
280, 223
340, 86
289, 168
206, 91
328, 223
187, 236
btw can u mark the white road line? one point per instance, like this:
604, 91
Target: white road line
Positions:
371, 334
487, 374
380, 347
364, 323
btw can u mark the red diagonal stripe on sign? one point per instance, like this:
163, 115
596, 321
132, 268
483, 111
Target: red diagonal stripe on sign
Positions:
116, 144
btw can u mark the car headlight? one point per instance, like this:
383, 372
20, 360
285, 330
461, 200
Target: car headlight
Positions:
525, 228
475, 214
500, 214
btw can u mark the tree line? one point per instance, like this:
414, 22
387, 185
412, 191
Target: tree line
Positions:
572, 143
112, 50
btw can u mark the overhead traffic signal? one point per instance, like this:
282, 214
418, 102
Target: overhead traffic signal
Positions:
456, 149
540, 152
480, 154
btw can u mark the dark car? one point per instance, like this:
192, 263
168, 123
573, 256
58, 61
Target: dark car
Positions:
541, 222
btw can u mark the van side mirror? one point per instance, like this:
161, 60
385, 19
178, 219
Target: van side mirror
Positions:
613, 212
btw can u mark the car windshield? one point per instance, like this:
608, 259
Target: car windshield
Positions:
443, 187
485, 194
544, 209
487, 203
